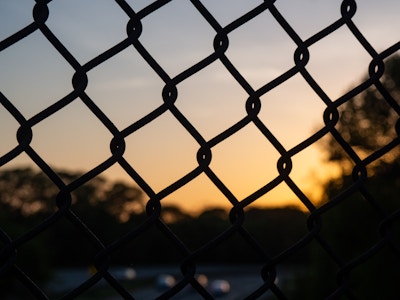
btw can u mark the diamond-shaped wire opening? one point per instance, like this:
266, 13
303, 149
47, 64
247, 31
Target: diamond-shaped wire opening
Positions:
26, 81
327, 62
198, 231
161, 152
87, 32
177, 43
53, 264
296, 266
245, 275
368, 122
117, 175
388, 22
206, 95
150, 248
310, 172
292, 111
307, 277
119, 206
245, 161
125, 88
338, 165
261, 50
73, 265
67, 138
196, 196
280, 196
300, 15
351, 227
261, 224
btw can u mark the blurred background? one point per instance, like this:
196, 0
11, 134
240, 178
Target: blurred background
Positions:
279, 209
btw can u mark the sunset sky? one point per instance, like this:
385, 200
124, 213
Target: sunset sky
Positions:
33, 75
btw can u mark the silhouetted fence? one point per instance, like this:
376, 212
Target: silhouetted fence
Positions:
345, 268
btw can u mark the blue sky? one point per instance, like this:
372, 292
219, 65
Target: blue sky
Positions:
33, 75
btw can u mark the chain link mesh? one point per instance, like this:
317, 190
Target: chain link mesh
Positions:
169, 94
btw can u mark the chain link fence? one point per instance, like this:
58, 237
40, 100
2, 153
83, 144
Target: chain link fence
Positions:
268, 287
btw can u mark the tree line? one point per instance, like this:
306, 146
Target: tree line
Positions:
112, 209
363, 228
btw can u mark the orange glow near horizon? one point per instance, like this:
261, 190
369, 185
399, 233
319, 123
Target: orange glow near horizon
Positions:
309, 173
126, 88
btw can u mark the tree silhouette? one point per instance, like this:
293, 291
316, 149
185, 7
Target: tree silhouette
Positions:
367, 122
28, 197
369, 215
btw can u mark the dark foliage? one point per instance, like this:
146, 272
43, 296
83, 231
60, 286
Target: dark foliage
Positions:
363, 229
28, 197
